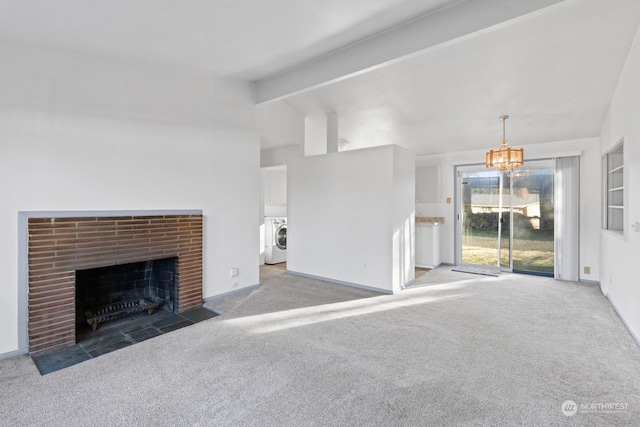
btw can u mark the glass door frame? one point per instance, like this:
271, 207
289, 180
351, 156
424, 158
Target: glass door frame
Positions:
459, 214
516, 249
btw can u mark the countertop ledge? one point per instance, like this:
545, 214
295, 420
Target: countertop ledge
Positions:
432, 220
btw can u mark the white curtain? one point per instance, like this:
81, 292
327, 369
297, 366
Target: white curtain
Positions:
566, 217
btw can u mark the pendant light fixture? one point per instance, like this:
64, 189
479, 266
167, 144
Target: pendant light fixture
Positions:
505, 158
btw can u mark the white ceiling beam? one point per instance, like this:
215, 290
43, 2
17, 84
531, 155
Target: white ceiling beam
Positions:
462, 20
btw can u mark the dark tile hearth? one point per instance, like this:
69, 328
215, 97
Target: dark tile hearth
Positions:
144, 334
110, 347
118, 334
176, 326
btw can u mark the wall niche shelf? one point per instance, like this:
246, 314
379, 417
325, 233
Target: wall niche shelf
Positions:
613, 189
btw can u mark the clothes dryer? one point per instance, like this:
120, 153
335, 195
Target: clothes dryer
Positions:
275, 240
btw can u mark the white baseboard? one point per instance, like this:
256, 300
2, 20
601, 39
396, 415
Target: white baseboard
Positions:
14, 353
340, 282
233, 292
428, 266
409, 283
615, 308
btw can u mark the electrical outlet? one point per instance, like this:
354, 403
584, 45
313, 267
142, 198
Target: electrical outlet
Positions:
587, 270
448, 200
234, 285
234, 272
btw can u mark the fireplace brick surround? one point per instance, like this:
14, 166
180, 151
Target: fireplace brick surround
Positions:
57, 247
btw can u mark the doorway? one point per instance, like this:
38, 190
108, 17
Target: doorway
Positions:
505, 219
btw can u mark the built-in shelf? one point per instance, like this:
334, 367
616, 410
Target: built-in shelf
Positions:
619, 168
613, 189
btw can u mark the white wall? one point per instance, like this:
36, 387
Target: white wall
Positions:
274, 186
279, 126
348, 214
619, 255
589, 195
403, 218
315, 134
279, 156
84, 134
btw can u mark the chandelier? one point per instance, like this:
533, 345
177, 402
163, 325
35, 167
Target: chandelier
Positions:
505, 158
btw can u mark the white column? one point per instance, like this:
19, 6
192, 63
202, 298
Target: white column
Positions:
315, 134
321, 134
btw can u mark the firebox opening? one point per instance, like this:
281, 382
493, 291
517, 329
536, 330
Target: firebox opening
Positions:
124, 291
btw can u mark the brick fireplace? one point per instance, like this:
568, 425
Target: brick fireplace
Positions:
59, 247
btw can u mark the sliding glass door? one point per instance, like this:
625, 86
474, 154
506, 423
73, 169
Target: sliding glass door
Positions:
505, 219
533, 214
482, 201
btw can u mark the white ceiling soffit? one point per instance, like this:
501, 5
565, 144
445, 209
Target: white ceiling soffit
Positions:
447, 25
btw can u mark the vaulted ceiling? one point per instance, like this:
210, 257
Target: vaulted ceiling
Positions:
553, 72
247, 39
429, 75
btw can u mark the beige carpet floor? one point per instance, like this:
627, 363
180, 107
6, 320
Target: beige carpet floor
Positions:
454, 349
